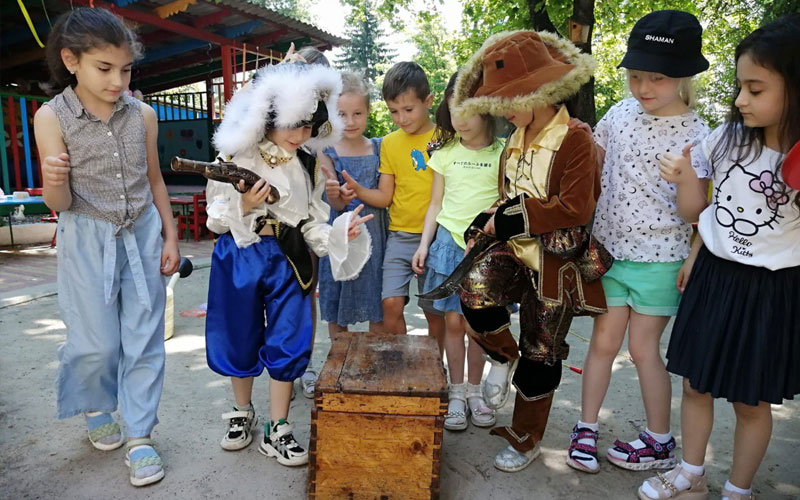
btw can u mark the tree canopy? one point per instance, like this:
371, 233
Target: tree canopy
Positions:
440, 51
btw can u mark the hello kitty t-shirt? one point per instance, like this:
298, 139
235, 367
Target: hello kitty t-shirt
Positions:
752, 217
637, 213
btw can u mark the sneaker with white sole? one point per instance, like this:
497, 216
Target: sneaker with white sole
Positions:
308, 382
241, 424
279, 443
653, 455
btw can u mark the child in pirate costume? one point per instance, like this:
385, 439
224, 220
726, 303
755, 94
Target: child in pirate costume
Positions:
261, 267
548, 183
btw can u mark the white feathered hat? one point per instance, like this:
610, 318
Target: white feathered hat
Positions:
282, 96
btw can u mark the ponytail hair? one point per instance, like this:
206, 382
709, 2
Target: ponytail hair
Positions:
81, 30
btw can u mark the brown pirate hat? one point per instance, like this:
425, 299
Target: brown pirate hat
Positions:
520, 69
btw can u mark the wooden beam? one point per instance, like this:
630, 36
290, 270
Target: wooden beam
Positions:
156, 37
184, 76
210, 19
153, 20
269, 38
185, 62
189, 45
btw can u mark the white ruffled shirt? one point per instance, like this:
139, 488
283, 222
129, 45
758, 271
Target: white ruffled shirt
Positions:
299, 200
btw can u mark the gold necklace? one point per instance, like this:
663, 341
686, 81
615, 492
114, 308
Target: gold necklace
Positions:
274, 161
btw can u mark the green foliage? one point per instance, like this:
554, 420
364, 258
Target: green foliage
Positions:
725, 24
367, 52
434, 51
482, 18
302, 10
380, 122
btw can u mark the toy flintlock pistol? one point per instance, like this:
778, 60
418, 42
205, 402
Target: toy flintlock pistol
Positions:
223, 171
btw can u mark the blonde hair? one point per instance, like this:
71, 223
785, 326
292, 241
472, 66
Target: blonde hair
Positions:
687, 92
353, 83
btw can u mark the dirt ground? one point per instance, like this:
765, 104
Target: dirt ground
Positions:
43, 458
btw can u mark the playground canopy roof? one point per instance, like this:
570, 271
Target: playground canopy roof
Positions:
184, 40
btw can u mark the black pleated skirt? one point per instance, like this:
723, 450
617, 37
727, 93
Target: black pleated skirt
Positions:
737, 331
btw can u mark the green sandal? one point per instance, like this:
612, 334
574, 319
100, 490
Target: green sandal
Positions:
146, 466
104, 433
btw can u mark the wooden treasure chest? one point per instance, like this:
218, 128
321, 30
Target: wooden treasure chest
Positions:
376, 426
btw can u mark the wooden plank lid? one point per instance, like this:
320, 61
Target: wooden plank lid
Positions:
384, 364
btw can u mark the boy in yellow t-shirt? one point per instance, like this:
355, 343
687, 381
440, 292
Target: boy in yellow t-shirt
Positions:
405, 187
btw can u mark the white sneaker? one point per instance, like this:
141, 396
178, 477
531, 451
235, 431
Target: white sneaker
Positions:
496, 395
308, 382
240, 429
280, 443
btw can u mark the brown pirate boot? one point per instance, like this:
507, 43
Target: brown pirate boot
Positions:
524, 434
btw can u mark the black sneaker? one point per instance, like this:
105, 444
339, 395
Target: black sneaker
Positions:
280, 443
240, 429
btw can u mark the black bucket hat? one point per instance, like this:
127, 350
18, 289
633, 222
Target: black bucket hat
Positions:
667, 42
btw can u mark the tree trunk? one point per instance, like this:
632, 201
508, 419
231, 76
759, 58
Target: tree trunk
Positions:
540, 19
581, 105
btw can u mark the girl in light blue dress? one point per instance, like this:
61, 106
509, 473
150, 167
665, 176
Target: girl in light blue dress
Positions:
344, 303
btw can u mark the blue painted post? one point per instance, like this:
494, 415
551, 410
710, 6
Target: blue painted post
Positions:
26, 140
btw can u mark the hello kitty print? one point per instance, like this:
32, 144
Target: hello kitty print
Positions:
752, 218
637, 215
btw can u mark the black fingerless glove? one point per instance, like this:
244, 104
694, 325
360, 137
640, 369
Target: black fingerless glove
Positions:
511, 219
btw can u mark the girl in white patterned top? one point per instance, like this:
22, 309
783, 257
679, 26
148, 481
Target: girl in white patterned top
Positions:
116, 238
640, 221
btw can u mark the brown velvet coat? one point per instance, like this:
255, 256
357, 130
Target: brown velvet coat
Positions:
573, 186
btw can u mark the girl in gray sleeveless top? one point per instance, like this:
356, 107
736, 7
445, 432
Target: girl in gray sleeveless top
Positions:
116, 238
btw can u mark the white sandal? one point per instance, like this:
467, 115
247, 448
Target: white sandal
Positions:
511, 460
456, 417
494, 395
480, 414
664, 486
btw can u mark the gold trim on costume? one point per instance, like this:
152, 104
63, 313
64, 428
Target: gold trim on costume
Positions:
513, 433
533, 398
304, 286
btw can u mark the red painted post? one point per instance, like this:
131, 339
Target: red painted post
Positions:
227, 73
12, 122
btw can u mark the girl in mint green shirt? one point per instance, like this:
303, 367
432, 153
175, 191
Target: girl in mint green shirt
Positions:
465, 165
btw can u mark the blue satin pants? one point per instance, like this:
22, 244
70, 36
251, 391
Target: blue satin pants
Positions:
257, 314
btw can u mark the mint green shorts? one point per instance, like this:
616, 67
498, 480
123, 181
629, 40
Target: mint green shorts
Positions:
647, 287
